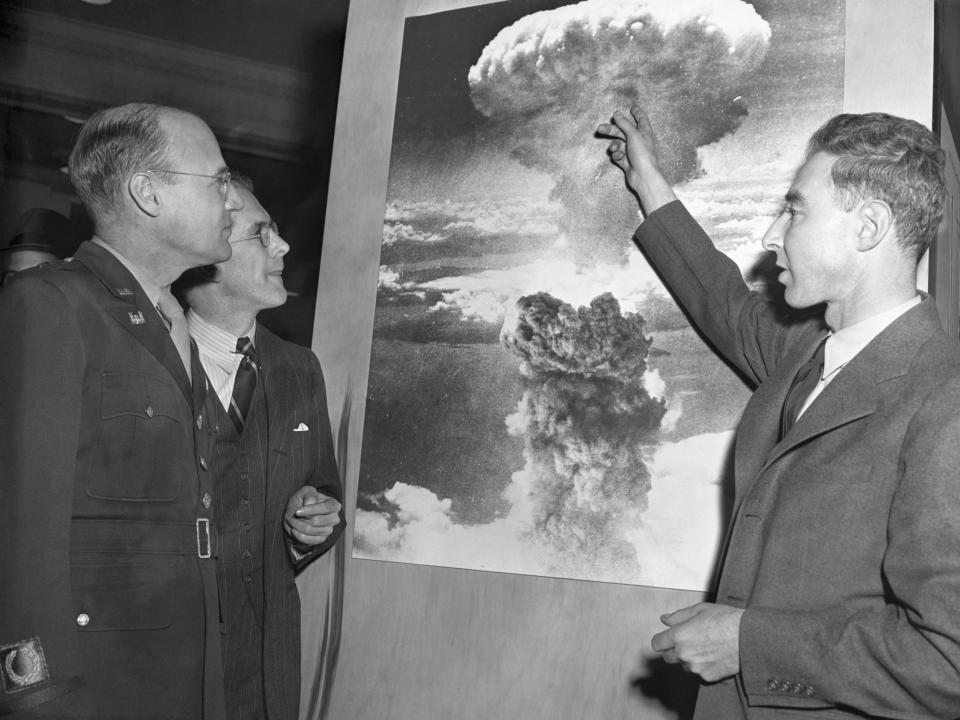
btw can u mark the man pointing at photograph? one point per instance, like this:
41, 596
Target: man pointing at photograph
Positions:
841, 571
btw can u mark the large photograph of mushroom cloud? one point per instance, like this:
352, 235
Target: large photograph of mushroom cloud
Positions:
537, 402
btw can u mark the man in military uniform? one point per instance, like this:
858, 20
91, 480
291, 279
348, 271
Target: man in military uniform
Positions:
109, 600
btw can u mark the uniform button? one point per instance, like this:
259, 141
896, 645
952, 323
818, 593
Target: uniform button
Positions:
809, 691
246, 553
796, 689
203, 462
245, 501
244, 476
785, 686
247, 578
149, 411
773, 685
200, 423
246, 526
206, 500
83, 619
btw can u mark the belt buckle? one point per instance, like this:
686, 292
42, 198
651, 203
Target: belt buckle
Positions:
203, 537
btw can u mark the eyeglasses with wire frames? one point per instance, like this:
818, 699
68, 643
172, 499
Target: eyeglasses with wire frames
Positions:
266, 234
224, 178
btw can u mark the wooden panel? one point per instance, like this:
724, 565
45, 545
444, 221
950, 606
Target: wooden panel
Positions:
889, 58
945, 263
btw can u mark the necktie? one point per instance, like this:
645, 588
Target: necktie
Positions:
803, 384
244, 383
172, 315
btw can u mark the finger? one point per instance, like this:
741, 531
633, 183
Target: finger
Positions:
662, 641
670, 656
617, 152
626, 125
309, 538
323, 507
313, 525
680, 616
609, 130
309, 495
310, 531
325, 520
639, 116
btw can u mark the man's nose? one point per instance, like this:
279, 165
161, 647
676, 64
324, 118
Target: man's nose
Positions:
233, 201
773, 237
280, 246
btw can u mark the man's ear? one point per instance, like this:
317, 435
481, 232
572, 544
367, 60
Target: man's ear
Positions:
143, 193
876, 223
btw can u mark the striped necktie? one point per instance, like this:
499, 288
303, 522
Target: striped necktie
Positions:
244, 383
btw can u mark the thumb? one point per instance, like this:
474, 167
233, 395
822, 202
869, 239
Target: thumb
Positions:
680, 616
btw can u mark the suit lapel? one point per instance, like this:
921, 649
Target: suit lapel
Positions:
855, 394
133, 311
759, 430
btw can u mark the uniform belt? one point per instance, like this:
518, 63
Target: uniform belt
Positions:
143, 536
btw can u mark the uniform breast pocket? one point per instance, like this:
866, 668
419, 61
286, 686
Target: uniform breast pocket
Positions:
144, 444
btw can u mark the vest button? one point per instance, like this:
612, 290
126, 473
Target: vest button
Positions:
83, 619
205, 500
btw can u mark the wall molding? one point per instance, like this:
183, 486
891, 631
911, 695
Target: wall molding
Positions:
69, 67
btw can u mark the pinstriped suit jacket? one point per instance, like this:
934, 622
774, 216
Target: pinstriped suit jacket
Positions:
844, 546
289, 429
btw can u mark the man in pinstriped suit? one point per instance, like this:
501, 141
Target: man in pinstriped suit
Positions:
278, 496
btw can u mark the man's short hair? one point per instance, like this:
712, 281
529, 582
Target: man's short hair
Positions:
887, 158
113, 144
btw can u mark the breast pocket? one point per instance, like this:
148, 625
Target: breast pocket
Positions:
122, 595
140, 439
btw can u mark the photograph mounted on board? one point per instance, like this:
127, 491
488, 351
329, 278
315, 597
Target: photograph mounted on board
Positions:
537, 401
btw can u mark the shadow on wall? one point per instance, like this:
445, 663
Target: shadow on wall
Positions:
673, 686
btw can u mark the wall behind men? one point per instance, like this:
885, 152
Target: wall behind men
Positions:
431, 642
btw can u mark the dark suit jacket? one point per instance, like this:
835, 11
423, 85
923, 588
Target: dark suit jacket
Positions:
103, 455
288, 444
844, 546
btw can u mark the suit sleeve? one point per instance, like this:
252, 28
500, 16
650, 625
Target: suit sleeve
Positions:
325, 475
741, 325
41, 373
900, 660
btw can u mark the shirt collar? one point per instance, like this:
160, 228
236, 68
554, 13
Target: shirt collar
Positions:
217, 342
150, 288
844, 344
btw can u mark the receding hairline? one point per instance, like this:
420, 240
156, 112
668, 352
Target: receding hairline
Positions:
167, 115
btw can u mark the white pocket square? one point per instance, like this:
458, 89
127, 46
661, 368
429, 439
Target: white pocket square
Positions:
301, 428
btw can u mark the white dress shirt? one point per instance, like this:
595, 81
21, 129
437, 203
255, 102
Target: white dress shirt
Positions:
218, 354
844, 344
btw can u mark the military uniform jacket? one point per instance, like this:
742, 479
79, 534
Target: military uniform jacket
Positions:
844, 545
107, 607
